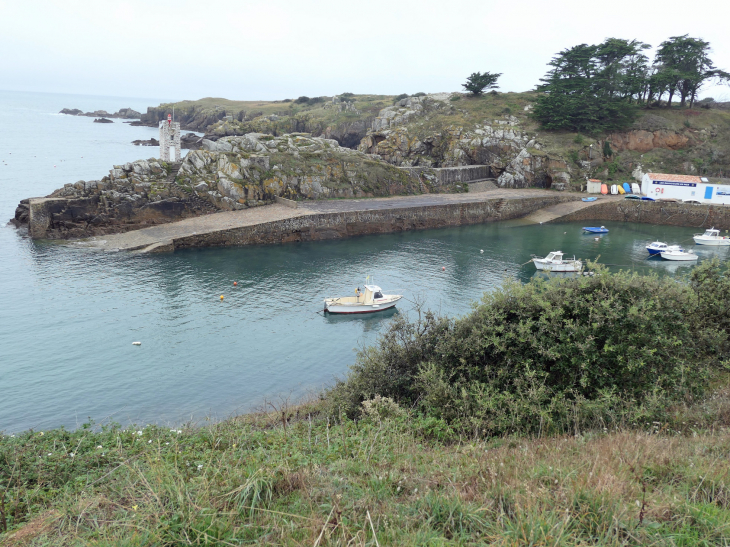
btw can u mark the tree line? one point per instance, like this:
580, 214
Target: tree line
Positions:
600, 87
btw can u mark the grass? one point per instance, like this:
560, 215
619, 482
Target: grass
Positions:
319, 480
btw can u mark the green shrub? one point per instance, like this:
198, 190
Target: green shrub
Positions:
552, 356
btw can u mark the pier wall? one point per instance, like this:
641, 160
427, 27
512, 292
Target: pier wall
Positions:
654, 212
339, 225
453, 175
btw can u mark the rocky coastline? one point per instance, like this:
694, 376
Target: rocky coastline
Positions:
232, 173
124, 113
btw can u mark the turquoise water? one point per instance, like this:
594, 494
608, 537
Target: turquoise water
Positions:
68, 316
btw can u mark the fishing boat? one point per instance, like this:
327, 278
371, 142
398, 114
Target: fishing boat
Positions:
711, 237
679, 255
370, 300
595, 230
554, 262
657, 247
588, 199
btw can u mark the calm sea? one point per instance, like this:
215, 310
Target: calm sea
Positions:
68, 317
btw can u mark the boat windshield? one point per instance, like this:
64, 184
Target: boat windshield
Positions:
378, 295
712, 232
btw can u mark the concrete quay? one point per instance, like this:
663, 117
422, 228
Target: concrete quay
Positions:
332, 219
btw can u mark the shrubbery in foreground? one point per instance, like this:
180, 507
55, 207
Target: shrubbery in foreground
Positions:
554, 356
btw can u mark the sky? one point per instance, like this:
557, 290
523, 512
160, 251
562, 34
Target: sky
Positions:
278, 49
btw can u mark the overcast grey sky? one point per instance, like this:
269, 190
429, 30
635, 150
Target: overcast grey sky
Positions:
278, 49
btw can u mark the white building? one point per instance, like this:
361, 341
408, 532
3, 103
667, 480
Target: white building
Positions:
685, 188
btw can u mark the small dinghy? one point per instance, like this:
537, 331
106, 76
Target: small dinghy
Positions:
679, 255
658, 247
635, 188
711, 237
589, 199
370, 300
595, 230
627, 187
647, 198
554, 263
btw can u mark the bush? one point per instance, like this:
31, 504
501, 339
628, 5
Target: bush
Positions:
553, 355
400, 97
419, 94
303, 99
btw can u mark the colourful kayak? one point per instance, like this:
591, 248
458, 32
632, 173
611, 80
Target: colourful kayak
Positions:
627, 187
604, 189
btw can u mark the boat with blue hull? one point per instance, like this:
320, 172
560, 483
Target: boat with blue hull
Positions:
595, 230
658, 247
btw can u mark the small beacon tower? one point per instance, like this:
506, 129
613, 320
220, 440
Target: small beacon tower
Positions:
169, 135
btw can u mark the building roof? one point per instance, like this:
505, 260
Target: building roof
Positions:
674, 178
593, 180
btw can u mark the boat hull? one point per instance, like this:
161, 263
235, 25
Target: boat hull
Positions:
719, 242
564, 267
679, 257
350, 309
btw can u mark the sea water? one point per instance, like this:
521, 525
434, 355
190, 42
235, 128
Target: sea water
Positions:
68, 316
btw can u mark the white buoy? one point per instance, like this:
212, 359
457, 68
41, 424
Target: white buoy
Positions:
136, 343
481, 250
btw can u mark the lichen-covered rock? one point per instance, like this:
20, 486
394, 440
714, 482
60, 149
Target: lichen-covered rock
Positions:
256, 167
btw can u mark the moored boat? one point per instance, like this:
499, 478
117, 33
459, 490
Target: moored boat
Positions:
554, 262
711, 237
595, 229
370, 300
679, 255
657, 247
588, 199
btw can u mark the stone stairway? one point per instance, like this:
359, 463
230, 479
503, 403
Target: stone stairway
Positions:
174, 170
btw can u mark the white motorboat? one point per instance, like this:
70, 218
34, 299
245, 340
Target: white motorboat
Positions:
711, 237
370, 300
679, 255
554, 262
658, 247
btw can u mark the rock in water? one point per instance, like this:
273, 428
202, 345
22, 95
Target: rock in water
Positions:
102, 120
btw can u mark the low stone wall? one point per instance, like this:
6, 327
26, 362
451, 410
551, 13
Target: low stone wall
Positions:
347, 224
654, 212
453, 175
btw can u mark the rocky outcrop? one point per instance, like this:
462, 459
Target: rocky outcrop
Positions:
124, 113
132, 196
644, 141
229, 174
515, 158
249, 170
102, 120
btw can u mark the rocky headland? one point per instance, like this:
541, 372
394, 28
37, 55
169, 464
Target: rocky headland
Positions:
124, 113
232, 173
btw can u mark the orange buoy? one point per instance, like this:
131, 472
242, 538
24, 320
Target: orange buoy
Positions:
235, 284
221, 297
443, 268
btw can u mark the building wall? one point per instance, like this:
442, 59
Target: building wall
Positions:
720, 194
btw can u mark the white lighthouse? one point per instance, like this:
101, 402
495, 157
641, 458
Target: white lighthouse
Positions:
169, 136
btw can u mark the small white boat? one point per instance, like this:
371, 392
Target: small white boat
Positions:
554, 263
370, 300
711, 237
678, 255
657, 247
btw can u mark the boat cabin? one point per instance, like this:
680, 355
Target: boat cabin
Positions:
372, 293
711, 232
555, 256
